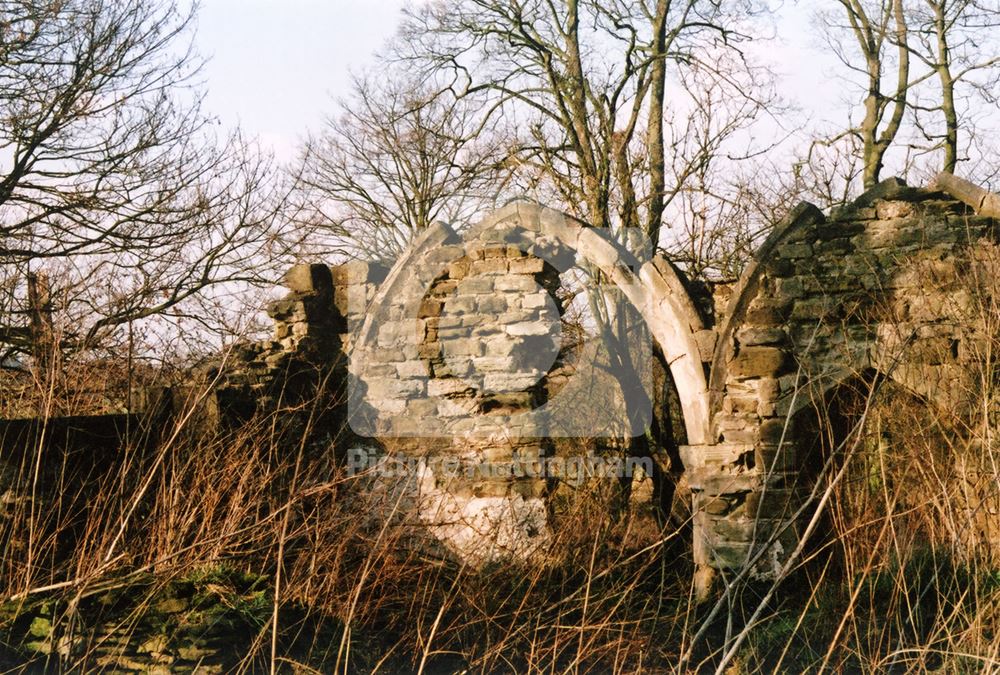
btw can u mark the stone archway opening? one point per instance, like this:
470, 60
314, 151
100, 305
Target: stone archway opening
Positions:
874, 285
450, 354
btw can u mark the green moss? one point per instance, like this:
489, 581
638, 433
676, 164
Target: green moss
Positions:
40, 627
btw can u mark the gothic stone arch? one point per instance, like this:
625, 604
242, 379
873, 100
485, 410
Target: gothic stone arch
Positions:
877, 285
409, 397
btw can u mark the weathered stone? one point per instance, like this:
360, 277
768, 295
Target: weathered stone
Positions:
524, 284
875, 286
501, 382
893, 210
495, 304
463, 347
489, 266
527, 266
447, 386
306, 278
772, 431
430, 308
532, 328
755, 336
706, 341
494, 363
415, 368
535, 300
759, 362
475, 285
795, 250
768, 312
390, 388
812, 309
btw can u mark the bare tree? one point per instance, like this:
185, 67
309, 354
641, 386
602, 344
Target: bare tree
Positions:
875, 47
955, 40
588, 82
112, 179
397, 157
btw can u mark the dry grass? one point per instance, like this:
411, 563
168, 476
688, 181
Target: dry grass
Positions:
902, 573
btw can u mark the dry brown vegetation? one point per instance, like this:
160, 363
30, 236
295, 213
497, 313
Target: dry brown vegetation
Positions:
322, 571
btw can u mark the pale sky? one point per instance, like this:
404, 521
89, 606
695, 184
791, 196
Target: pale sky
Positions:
275, 66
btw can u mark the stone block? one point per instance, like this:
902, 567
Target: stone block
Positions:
289, 310
399, 333
729, 555
757, 335
738, 436
535, 300
445, 287
459, 269
775, 458
838, 229
309, 278
835, 247
532, 328
793, 251
759, 362
811, 309
714, 505
733, 530
739, 405
527, 266
475, 285
489, 266
712, 481
719, 455
447, 407
491, 304
442, 256
768, 312
460, 304
493, 363
773, 431
891, 210
706, 341
463, 346
768, 389
504, 382
358, 272
448, 386
415, 368
501, 345
790, 288
522, 283
379, 388
430, 308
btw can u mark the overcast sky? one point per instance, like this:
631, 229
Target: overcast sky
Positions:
275, 66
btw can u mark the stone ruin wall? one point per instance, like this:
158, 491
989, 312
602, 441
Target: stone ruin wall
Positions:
873, 287
880, 286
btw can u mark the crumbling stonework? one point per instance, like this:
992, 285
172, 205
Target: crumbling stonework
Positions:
874, 287
439, 369
458, 359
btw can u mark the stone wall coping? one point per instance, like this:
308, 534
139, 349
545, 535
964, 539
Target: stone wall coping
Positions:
983, 202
